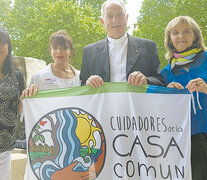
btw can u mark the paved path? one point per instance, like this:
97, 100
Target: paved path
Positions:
19, 159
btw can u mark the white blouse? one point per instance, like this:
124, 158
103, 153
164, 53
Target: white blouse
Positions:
45, 79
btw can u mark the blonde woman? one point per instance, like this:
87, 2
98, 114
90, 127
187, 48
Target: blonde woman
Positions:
187, 68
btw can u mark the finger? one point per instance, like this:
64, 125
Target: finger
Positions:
132, 78
129, 79
72, 165
196, 81
25, 92
175, 85
190, 83
170, 85
36, 88
143, 80
200, 82
98, 81
95, 81
191, 86
91, 83
31, 88
178, 86
137, 79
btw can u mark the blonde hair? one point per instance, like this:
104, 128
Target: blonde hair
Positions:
110, 2
198, 42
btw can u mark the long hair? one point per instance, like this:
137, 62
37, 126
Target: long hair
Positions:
198, 42
5, 39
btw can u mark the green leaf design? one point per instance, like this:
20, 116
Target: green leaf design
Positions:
36, 138
84, 152
42, 139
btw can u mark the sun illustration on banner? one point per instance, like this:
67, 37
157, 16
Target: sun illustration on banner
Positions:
85, 130
67, 142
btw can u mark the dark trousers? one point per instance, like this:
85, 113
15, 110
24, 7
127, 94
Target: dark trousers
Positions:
199, 156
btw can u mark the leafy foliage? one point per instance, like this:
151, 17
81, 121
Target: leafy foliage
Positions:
155, 15
30, 24
4, 7
95, 4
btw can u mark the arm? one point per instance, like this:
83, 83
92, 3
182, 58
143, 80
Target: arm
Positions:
86, 77
155, 77
21, 88
146, 65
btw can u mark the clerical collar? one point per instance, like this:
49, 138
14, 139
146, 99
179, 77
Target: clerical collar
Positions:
118, 41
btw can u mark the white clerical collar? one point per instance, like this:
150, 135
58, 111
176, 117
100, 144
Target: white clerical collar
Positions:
118, 41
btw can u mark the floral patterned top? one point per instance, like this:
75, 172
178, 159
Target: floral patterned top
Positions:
9, 105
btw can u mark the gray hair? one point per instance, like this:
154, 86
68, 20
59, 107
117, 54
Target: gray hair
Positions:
111, 2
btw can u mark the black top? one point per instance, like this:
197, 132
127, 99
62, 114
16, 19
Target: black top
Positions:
11, 86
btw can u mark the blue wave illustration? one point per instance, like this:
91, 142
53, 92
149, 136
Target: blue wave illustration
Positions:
69, 147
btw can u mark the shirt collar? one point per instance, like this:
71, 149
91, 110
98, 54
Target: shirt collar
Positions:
117, 41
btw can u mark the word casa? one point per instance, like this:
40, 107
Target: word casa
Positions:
148, 151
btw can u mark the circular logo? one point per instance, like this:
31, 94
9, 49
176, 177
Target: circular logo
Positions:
67, 142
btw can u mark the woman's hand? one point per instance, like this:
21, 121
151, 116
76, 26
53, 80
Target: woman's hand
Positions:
175, 85
31, 90
197, 85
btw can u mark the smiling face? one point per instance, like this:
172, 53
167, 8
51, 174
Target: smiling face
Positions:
114, 20
61, 47
60, 54
182, 37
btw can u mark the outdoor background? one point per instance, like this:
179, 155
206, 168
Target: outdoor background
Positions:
30, 23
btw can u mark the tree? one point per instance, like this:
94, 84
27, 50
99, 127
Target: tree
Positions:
95, 4
4, 7
155, 15
31, 22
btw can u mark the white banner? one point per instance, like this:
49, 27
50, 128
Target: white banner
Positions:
109, 133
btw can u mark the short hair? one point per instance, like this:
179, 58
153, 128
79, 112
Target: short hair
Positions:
62, 39
198, 42
110, 2
5, 39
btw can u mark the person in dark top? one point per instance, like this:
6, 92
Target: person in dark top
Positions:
11, 87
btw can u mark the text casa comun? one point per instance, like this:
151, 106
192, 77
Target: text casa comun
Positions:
131, 169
